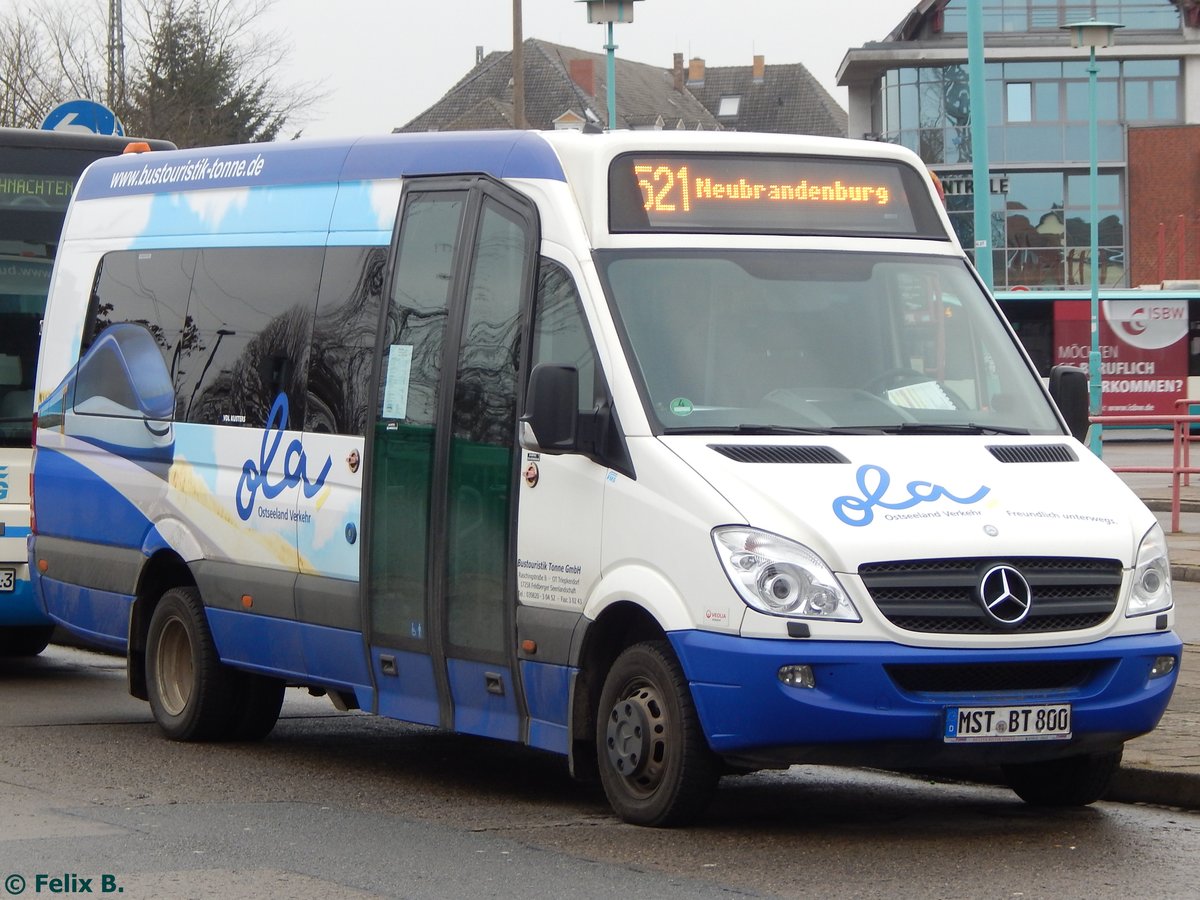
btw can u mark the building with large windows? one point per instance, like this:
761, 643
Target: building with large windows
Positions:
911, 88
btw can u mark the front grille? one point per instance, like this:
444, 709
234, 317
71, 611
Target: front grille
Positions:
940, 596
997, 678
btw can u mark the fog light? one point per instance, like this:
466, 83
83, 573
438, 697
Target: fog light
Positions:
798, 676
1163, 665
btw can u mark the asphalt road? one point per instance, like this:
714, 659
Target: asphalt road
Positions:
345, 805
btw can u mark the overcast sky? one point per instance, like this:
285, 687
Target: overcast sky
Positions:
384, 61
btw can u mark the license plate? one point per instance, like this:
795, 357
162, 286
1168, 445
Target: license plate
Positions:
8, 579
995, 724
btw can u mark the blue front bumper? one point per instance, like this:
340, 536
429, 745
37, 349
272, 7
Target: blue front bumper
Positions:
857, 713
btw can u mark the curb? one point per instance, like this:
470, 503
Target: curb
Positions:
1157, 788
1185, 572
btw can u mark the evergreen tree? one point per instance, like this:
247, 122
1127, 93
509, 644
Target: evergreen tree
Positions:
192, 88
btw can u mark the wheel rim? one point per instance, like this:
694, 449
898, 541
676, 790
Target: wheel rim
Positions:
173, 669
638, 737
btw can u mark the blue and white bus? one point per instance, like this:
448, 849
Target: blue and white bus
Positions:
678, 455
38, 170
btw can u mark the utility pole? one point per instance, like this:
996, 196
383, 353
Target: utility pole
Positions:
518, 63
116, 56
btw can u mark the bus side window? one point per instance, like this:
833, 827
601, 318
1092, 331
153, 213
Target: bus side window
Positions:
252, 311
560, 334
148, 289
343, 343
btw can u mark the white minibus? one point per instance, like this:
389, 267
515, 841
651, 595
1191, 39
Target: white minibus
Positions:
680, 455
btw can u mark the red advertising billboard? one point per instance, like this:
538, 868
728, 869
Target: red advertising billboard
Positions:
1143, 351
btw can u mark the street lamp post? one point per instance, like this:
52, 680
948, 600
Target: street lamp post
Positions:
609, 12
1093, 34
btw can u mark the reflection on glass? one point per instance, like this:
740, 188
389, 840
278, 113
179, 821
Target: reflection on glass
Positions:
817, 341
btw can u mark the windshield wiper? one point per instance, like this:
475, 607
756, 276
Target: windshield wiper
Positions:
948, 428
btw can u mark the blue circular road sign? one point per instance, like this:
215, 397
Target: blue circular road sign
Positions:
83, 116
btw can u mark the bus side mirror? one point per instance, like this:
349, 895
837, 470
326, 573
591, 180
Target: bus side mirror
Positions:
1069, 390
551, 409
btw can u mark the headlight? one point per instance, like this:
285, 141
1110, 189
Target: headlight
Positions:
778, 576
1151, 576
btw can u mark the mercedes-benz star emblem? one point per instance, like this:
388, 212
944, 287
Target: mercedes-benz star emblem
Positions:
1005, 594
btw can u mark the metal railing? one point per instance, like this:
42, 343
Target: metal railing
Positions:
1181, 469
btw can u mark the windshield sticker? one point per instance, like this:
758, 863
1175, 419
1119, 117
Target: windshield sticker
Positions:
873, 484
395, 384
682, 406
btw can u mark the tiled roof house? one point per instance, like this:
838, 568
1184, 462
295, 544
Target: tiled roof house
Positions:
784, 99
564, 88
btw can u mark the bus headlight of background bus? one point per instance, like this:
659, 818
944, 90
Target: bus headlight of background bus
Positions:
778, 576
1151, 576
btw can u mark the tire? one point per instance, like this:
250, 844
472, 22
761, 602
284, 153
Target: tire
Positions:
654, 762
258, 701
191, 693
25, 640
1072, 781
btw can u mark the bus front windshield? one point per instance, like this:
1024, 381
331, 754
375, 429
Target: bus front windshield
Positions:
803, 341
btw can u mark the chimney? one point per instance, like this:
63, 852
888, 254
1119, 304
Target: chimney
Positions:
696, 71
583, 73
760, 66
478, 54
677, 72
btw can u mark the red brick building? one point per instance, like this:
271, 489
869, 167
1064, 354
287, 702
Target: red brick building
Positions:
1164, 203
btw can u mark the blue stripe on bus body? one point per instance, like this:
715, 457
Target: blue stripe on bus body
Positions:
500, 154
14, 531
409, 691
476, 709
99, 616
548, 693
330, 657
74, 502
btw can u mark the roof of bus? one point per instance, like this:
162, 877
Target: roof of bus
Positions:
501, 154
73, 140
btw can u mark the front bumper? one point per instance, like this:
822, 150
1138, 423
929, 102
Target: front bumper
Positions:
859, 714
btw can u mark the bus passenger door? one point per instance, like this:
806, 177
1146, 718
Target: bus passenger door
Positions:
440, 570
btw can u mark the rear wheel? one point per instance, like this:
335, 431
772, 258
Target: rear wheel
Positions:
655, 765
25, 640
1072, 781
191, 692
258, 702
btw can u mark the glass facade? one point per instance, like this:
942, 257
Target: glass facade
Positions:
1020, 16
1037, 143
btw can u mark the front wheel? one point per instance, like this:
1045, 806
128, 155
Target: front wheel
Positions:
1071, 781
654, 762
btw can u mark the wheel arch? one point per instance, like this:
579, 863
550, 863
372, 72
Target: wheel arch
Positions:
164, 569
598, 643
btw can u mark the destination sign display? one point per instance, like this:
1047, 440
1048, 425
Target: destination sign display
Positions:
35, 192
744, 193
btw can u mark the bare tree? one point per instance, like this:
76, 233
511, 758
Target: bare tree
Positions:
200, 71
